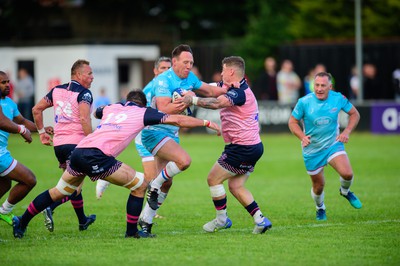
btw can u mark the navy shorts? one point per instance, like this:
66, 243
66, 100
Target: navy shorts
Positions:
241, 159
63, 152
93, 163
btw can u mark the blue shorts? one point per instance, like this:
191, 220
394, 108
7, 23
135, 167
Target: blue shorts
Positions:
93, 163
143, 152
63, 152
315, 162
153, 140
241, 159
7, 164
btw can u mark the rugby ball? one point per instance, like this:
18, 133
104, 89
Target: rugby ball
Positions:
178, 94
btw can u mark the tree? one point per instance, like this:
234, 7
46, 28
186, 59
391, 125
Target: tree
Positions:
268, 27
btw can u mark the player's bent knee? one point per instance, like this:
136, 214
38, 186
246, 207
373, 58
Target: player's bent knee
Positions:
31, 182
65, 188
136, 182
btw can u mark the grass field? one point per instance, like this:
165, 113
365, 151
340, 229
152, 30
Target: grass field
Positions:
369, 236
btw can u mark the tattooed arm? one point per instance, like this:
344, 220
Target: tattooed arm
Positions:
209, 103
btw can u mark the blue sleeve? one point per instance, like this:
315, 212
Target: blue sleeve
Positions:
14, 108
162, 87
153, 117
346, 104
85, 96
298, 111
236, 96
194, 80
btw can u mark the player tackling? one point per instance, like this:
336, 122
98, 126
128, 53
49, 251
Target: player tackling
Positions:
240, 130
95, 156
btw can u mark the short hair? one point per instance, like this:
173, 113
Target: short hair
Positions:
161, 59
235, 61
138, 97
77, 65
324, 74
181, 48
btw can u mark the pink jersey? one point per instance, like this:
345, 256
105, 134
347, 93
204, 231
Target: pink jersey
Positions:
66, 99
239, 122
119, 125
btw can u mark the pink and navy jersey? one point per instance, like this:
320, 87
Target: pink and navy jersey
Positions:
66, 99
120, 123
239, 122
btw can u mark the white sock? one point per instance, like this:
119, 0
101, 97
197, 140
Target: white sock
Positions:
258, 217
6, 207
148, 214
319, 199
170, 170
161, 197
222, 215
345, 185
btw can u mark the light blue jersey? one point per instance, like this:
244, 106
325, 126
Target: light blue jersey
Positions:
149, 92
320, 121
153, 137
7, 162
10, 110
165, 84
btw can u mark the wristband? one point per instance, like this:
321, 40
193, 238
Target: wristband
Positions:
206, 123
194, 100
21, 129
41, 131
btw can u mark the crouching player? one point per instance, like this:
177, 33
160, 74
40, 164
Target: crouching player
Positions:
95, 156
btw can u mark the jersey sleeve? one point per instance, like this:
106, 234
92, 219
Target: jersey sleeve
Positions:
162, 87
346, 104
85, 97
49, 97
236, 96
195, 81
298, 111
99, 112
153, 117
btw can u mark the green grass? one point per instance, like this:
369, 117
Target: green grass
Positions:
280, 185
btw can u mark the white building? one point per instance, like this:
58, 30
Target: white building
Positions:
115, 67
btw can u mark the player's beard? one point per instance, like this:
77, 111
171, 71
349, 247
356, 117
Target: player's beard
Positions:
5, 93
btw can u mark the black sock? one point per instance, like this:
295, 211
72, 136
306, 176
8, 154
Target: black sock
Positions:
41, 202
133, 210
252, 208
77, 203
62, 201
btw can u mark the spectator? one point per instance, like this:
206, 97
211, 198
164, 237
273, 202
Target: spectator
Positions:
396, 84
289, 84
354, 84
371, 83
216, 77
102, 100
196, 71
307, 81
265, 87
25, 90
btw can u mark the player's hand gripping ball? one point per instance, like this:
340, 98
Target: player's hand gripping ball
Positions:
178, 94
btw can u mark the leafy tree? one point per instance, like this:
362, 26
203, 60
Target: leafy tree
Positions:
268, 27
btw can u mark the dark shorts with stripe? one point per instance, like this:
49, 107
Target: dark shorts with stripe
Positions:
241, 159
63, 153
92, 162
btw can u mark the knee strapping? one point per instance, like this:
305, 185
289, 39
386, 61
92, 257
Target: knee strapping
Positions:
65, 188
217, 191
136, 182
